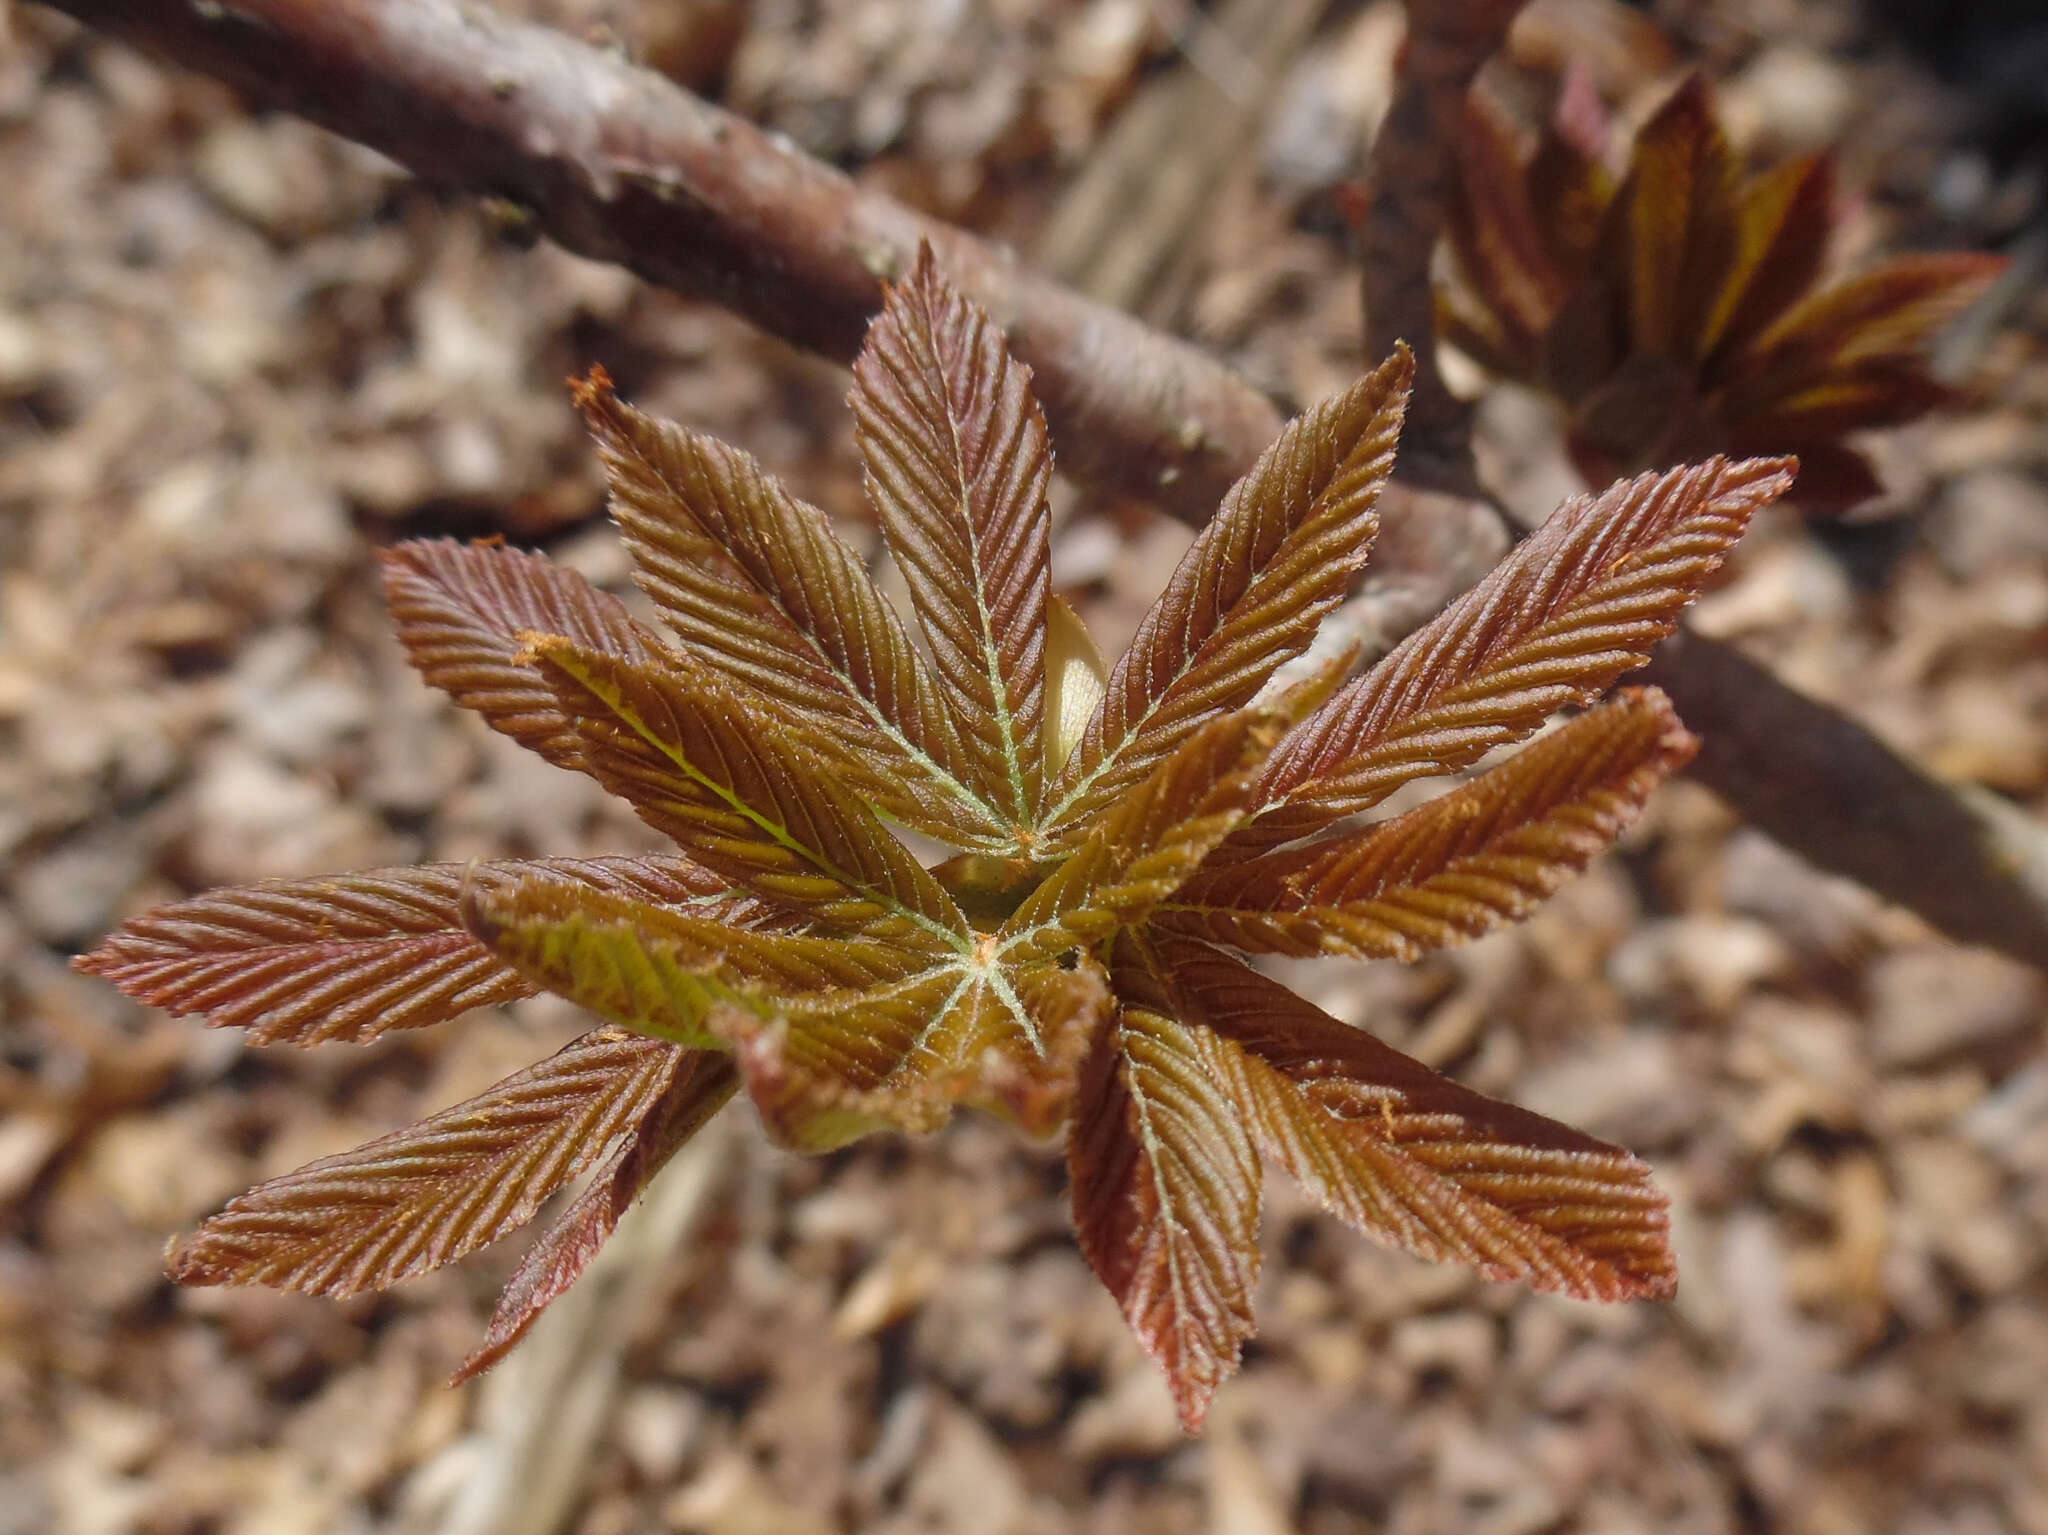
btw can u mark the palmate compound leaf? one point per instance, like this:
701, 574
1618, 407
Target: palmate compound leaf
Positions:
758, 586
1486, 853
957, 464
424, 1196
741, 797
1247, 597
1578, 603
460, 609
1145, 847
347, 957
838, 1035
1410, 1157
1682, 312
847, 991
1207, 1060
824, 1071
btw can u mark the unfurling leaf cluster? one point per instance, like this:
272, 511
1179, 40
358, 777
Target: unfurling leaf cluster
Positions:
1680, 307
1127, 837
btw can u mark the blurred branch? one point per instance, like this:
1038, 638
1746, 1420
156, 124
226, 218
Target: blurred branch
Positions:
619, 164
1971, 863
1407, 184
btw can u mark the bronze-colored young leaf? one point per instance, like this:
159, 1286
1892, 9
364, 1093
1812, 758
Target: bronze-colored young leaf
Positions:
957, 464
1568, 186
1416, 1160
660, 972
1577, 604
757, 584
460, 609
1854, 355
1682, 312
811, 1095
1785, 216
1062, 969
826, 1069
1496, 231
1679, 225
1139, 852
1488, 852
420, 1197
691, 758
1069, 1004
702, 1083
1247, 597
347, 957
1166, 1191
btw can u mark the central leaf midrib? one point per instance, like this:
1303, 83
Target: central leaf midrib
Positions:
998, 684
878, 716
953, 938
1173, 1229
1203, 652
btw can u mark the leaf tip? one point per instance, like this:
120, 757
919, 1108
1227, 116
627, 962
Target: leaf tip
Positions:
187, 1262
496, 1345
479, 915
592, 391
1756, 481
608, 418
1191, 1401
98, 961
1401, 363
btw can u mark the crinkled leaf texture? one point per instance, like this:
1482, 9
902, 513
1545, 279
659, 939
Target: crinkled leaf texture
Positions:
1125, 835
957, 464
348, 957
424, 1196
1683, 309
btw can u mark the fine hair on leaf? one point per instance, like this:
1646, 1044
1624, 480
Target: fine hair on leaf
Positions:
1122, 839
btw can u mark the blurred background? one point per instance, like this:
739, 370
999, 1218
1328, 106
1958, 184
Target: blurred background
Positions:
236, 355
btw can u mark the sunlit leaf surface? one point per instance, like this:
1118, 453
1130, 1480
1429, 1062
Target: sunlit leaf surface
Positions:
1124, 834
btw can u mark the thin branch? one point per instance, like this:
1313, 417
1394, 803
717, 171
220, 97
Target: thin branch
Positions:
1969, 862
1408, 186
617, 163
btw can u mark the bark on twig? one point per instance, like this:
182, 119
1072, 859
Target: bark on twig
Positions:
617, 163
1824, 786
1408, 182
